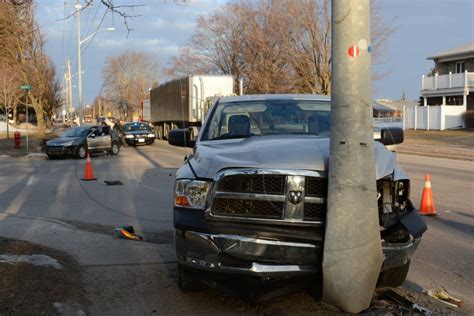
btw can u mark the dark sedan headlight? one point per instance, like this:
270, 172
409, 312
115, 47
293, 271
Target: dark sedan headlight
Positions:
67, 144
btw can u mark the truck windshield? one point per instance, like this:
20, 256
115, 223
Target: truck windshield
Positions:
268, 117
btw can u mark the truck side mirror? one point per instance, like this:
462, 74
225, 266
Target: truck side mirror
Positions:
391, 136
180, 138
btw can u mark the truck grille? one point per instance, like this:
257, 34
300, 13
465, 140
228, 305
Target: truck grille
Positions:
248, 208
253, 195
264, 184
314, 212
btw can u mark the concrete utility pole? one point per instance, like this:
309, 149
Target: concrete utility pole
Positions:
352, 247
79, 61
69, 76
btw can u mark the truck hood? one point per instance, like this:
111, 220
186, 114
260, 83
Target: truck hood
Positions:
299, 152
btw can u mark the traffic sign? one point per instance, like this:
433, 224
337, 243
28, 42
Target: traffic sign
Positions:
26, 87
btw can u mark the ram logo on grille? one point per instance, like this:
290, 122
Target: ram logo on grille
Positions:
295, 197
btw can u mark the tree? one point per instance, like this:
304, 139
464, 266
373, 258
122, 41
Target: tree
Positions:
127, 78
9, 93
52, 94
22, 47
275, 46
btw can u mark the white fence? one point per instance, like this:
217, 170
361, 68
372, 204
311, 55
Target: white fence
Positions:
439, 117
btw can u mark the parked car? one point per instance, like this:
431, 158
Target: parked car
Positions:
237, 221
78, 141
137, 133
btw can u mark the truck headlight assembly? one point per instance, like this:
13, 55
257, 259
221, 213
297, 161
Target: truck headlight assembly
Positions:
191, 193
129, 136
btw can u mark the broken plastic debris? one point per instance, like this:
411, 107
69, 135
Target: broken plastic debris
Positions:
37, 260
441, 294
127, 232
115, 182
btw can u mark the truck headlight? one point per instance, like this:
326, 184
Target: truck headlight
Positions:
191, 193
129, 136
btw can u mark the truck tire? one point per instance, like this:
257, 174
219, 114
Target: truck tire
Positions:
165, 131
186, 282
393, 277
159, 132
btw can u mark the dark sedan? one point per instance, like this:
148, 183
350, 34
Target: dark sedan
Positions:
78, 141
138, 133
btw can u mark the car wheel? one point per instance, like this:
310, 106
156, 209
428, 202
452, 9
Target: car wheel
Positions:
81, 152
393, 277
187, 282
114, 149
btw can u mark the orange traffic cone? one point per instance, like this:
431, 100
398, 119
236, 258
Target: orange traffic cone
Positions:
427, 206
88, 172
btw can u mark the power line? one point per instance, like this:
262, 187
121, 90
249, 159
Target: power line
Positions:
93, 20
64, 31
96, 31
70, 36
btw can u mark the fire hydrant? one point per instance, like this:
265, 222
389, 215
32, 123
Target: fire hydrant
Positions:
16, 139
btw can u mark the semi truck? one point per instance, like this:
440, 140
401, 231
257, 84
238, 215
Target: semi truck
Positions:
183, 103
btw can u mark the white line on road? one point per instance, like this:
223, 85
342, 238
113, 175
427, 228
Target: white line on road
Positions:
30, 181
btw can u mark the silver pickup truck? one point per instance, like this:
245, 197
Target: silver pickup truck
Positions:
250, 202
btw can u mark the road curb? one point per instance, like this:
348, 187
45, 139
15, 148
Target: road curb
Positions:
434, 155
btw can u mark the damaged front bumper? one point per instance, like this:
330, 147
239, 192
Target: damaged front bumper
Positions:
265, 257
251, 256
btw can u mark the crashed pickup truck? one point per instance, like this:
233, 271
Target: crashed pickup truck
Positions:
250, 201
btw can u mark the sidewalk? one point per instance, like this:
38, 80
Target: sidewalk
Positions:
451, 152
89, 249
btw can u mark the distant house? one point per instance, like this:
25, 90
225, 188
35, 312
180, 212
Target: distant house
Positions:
391, 108
445, 91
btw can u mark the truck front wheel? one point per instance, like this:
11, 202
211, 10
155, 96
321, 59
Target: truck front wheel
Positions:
394, 277
187, 282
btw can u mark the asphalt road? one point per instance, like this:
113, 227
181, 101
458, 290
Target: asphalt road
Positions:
37, 187
446, 253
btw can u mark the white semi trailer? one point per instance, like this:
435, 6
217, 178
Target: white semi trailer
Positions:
182, 103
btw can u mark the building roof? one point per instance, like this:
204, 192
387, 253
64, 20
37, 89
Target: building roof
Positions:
395, 105
453, 53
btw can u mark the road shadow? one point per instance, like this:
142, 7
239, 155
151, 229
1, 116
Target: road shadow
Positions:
461, 227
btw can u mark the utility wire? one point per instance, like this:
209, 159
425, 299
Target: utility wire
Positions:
70, 36
97, 29
93, 20
63, 41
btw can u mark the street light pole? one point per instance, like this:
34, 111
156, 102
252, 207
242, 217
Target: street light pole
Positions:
79, 56
79, 61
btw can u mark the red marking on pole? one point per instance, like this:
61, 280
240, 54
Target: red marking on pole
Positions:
353, 51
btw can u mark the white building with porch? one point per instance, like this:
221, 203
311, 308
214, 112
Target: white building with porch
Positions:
445, 92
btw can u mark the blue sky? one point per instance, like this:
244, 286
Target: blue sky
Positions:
425, 27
